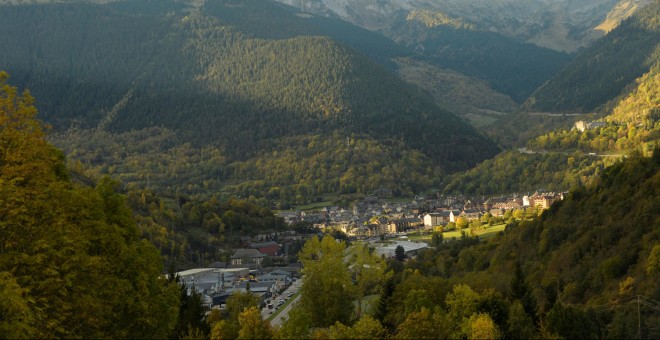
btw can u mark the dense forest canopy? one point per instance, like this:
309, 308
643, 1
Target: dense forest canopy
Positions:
568, 157
604, 70
71, 258
234, 92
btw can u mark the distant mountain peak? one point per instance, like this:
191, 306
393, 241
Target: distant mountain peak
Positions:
562, 25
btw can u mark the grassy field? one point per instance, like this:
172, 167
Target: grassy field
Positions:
485, 232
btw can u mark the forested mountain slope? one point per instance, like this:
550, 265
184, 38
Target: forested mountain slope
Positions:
603, 71
591, 85
72, 263
226, 77
587, 268
511, 66
566, 157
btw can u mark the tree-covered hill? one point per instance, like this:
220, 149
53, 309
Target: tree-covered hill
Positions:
512, 67
633, 124
565, 157
603, 71
592, 85
587, 268
235, 76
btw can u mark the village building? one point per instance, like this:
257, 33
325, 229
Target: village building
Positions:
246, 256
269, 248
411, 249
583, 126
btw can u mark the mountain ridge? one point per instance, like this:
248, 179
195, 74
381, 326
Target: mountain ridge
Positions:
217, 85
563, 26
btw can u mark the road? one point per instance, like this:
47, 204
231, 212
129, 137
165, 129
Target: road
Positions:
279, 318
282, 314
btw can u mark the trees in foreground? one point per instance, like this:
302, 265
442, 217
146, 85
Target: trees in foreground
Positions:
71, 260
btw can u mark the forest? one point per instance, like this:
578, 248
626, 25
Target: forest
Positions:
72, 261
566, 157
217, 99
580, 270
164, 140
510, 66
604, 70
572, 272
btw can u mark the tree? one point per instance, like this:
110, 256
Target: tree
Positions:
73, 252
424, 324
297, 325
252, 326
462, 302
519, 290
481, 326
570, 322
191, 311
653, 262
519, 325
399, 253
518, 214
437, 239
327, 292
365, 328
237, 303
369, 272
462, 223
16, 320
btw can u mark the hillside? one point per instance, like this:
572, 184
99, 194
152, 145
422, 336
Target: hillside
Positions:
218, 82
469, 97
586, 268
604, 70
511, 67
72, 260
633, 124
566, 157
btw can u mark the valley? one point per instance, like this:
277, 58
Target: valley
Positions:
415, 169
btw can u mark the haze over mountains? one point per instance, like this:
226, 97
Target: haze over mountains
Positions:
563, 25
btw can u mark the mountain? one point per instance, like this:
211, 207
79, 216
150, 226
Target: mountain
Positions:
604, 70
454, 40
568, 157
510, 66
565, 25
233, 85
470, 97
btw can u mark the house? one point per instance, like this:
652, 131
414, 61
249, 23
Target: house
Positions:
269, 248
359, 232
583, 126
246, 256
437, 218
470, 214
453, 215
415, 223
509, 205
544, 201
